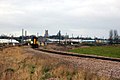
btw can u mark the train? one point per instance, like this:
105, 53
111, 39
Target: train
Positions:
34, 42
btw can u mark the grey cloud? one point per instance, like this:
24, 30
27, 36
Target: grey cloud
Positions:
87, 16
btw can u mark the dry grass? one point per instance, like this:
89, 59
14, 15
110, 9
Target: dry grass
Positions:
16, 64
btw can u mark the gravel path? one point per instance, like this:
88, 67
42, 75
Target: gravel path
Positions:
101, 67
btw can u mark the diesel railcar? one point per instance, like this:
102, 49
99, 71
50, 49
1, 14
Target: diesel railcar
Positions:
34, 42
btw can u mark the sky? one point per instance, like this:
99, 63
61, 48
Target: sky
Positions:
88, 18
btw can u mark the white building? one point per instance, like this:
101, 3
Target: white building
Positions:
8, 41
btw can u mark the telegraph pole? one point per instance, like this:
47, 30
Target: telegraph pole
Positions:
66, 39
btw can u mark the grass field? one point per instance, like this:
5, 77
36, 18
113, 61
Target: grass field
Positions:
107, 51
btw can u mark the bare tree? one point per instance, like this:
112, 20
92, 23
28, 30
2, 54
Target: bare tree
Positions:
115, 36
59, 34
111, 37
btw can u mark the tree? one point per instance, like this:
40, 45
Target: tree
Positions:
116, 36
111, 37
59, 35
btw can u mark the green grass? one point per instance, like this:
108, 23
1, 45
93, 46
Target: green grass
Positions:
107, 51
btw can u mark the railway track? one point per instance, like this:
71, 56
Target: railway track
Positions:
78, 55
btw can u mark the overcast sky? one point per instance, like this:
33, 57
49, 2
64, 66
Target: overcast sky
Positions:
77, 17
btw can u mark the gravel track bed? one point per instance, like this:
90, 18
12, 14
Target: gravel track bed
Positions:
101, 67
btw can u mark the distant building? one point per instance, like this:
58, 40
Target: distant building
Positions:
118, 37
25, 33
8, 41
46, 33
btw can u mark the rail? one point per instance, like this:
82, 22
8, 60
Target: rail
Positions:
78, 55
